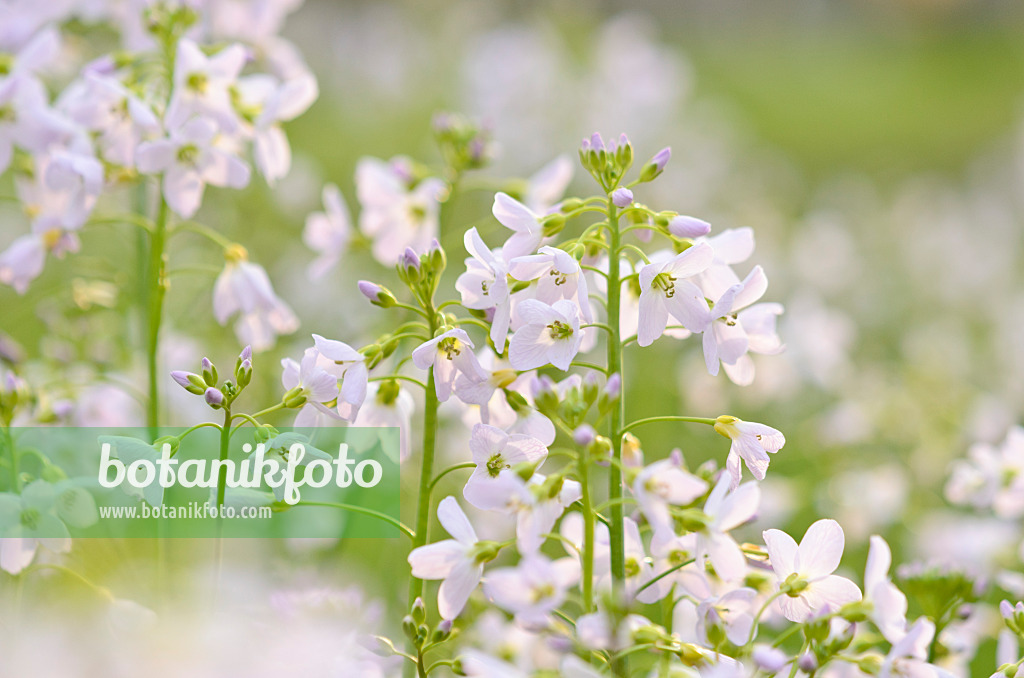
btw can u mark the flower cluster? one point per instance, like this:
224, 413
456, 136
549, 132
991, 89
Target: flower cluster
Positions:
192, 94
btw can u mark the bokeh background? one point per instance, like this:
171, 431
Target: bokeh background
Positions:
876, 147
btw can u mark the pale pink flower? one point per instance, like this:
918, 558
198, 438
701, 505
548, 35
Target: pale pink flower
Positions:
524, 222
450, 354
751, 442
665, 291
328, 233
244, 288
725, 510
203, 84
484, 286
189, 160
388, 404
665, 483
532, 589
318, 386
888, 604
289, 100
459, 562
806, 571
725, 338
348, 366
558, 276
546, 186
396, 214
496, 452
549, 334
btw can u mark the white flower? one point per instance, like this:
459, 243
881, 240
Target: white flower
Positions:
546, 186
202, 85
909, 656
532, 589
459, 561
270, 145
328, 233
751, 442
450, 354
23, 261
26, 121
758, 322
805, 572
317, 385
394, 215
244, 288
665, 483
494, 453
37, 517
888, 604
558, 276
102, 104
725, 338
732, 246
348, 366
484, 286
665, 291
387, 404
549, 334
189, 160
525, 223
726, 510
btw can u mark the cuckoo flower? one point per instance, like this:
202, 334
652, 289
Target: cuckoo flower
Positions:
189, 160
751, 442
348, 366
665, 291
558, 276
495, 452
725, 510
533, 589
888, 604
805, 572
329, 232
459, 561
549, 334
484, 286
665, 483
547, 185
387, 404
244, 288
725, 338
450, 354
524, 222
312, 382
397, 214
203, 85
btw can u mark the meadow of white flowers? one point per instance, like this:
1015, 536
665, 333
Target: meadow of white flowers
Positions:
537, 340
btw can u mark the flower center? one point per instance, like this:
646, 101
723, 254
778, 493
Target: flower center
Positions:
541, 592
678, 557
496, 464
188, 154
632, 567
558, 276
450, 347
198, 82
666, 282
560, 330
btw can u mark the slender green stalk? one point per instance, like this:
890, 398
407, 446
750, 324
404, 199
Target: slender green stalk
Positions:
426, 469
616, 415
588, 533
222, 481
156, 289
364, 511
616, 528
670, 417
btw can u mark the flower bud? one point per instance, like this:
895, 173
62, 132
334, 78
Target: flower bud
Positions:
419, 610
622, 197
377, 294
632, 454
807, 663
294, 398
769, 659
553, 224
409, 267
688, 227
244, 373
192, 383
209, 372
214, 398
571, 205
442, 632
436, 258
624, 152
657, 165
584, 435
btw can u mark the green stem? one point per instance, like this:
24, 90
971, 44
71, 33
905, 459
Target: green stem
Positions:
366, 512
426, 464
651, 420
616, 528
222, 480
448, 470
588, 533
157, 288
99, 590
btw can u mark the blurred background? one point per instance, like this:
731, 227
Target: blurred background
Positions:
876, 148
